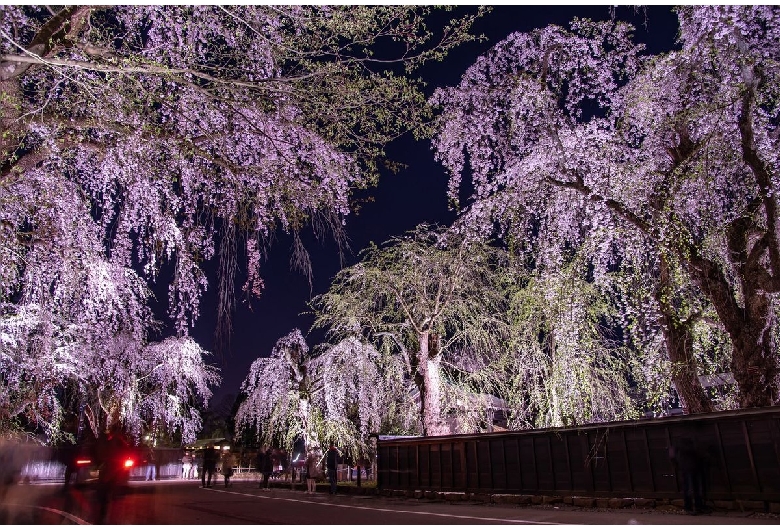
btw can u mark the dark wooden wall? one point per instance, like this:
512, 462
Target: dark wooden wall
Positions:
632, 458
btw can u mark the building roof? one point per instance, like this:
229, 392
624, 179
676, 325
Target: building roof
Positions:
205, 442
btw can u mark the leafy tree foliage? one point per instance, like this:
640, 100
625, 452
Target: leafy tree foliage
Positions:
564, 367
674, 333
358, 395
574, 134
78, 323
278, 390
433, 298
139, 136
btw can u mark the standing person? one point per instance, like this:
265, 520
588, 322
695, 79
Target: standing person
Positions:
110, 452
268, 467
209, 465
312, 470
186, 465
228, 463
259, 466
332, 465
197, 466
690, 465
151, 464
68, 453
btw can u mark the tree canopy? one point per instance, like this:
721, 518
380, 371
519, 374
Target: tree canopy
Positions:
141, 142
432, 297
574, 135
340, 393
631, 195
565, 364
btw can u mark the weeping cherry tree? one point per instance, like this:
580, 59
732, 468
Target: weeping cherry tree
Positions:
278, 393
337, 394
430, 297
575, 133
89, 351
155, 139
356, 396
566, 367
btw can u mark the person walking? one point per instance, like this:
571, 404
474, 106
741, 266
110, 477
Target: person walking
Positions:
332, 459
261, 466
267, 468
68, 454
228, 463
312, 470
110, 452
151, 464
186, 465
209, 465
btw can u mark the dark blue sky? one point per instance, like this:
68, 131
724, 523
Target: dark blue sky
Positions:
414, 195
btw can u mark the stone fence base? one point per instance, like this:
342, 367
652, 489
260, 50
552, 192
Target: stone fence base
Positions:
576, 501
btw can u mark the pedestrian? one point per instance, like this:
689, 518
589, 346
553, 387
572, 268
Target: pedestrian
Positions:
197, 461
312, 470
228, 463
151, 464
68, 454
691, 467
186, 465
332, 459
10, 471
267, 468
197, 465
260, 466
110, 452
209, 465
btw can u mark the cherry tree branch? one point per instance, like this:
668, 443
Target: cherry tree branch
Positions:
762, 175
619, 208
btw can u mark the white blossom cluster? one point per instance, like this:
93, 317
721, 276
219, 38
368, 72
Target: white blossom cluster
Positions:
141, 142
661, 170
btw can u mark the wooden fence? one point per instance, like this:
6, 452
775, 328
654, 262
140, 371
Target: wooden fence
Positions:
603, 460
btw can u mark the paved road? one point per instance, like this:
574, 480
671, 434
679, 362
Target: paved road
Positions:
181, 502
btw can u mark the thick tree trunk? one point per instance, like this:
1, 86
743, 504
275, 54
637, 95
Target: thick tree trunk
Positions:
749, 323
753, 358
309, 435
685, 376
428, 381
679, 344
67, 22
754, 252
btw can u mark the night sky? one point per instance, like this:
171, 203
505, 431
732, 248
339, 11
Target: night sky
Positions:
414, 195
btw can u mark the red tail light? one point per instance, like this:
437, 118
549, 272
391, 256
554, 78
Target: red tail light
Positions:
83, 461
129, 462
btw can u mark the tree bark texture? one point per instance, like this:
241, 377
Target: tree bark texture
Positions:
679, 347
428, 381
749, 325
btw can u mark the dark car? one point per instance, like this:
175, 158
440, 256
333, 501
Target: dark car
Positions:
107, 461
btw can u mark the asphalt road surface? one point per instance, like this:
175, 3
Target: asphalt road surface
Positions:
185, 502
